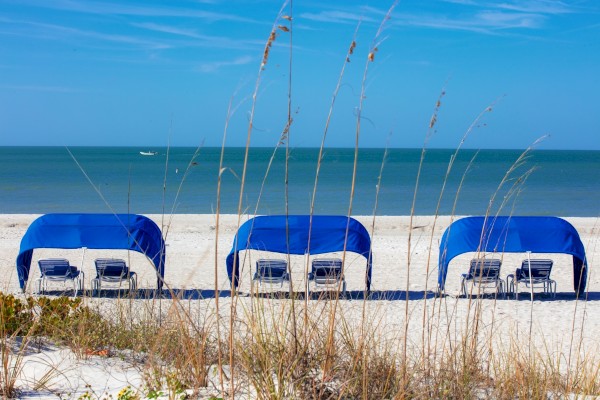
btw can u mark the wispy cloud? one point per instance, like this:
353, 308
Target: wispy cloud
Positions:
469, 15
538, 7
170, 29
53, 31
34, 88
487, 22
201, 39
527, 6
72, 33
109, 8
143, 41
493, 17
217, 65
463, 2
344, 15
500, 20
334, 17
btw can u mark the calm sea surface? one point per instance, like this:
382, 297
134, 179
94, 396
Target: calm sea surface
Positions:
106, 179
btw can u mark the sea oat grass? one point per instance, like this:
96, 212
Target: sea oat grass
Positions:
275, 361
326, 348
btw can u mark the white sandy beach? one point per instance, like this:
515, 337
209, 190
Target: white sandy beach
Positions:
191, 266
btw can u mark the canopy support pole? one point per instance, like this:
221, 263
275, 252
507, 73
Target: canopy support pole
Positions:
81, 270
530, 277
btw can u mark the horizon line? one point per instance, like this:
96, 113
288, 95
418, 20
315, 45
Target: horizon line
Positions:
146, 148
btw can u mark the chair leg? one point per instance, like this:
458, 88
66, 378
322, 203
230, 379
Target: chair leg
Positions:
510, 284
80, 283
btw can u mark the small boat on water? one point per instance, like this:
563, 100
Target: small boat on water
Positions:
148, 153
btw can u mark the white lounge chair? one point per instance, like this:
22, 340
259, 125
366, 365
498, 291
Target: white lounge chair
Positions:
484, 274
59, 270
114, 271
327, 272
271, 272
539, 278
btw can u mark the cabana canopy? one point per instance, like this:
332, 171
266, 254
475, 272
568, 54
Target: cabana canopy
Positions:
513, 235
329, 233
93, 231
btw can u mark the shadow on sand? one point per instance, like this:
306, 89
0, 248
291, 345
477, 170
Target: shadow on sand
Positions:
537, 296
374, 295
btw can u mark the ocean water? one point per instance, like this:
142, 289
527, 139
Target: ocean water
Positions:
119, 179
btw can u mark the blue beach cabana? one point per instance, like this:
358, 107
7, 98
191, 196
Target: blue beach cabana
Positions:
328, 233
513, 235
93, 231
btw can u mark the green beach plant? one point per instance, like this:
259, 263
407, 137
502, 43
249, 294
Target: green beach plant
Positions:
327, 348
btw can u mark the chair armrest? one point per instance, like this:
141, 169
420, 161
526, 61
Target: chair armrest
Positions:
518, 273
510, 281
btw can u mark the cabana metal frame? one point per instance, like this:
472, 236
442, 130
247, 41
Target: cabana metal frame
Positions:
513, 234
93, 231
290, 235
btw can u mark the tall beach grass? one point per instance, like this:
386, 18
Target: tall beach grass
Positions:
293, 346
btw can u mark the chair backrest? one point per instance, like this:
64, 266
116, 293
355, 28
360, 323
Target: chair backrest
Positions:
266, 268
111, 267
55, 267
540, 269
327, 267
487, 269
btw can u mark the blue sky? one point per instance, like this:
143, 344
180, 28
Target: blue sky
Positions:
129, 73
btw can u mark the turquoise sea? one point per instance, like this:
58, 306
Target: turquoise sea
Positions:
105, 179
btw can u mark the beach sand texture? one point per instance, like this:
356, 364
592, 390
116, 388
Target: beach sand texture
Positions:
190, 269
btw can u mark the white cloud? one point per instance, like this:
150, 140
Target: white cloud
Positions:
492, 16
44, 30
485, 21
33, 88
169, 29
104, 8
200, 39
502, 20
345, 15
335, 17
527, 6
537, 7
215, 66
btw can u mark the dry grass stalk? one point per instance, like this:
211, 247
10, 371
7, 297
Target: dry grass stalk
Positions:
320, 351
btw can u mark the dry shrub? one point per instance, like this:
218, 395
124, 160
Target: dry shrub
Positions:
181, 352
